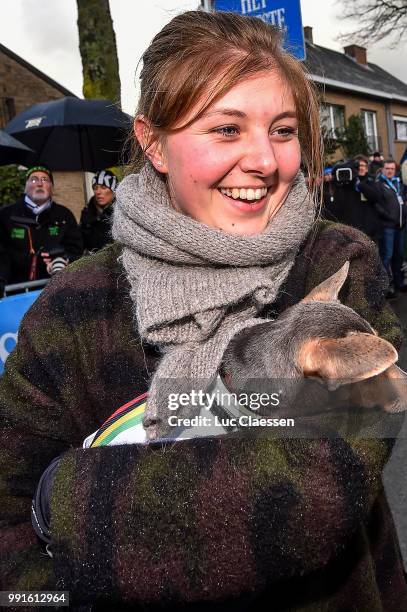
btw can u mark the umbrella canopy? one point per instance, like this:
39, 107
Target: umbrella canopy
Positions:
73, 134
12, 151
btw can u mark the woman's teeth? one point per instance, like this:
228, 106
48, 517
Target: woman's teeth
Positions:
244, 194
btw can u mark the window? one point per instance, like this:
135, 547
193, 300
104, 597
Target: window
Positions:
11, 108
333, 119
370, 125
7, 110
400, 127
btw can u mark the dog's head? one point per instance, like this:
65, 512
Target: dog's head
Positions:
322, 339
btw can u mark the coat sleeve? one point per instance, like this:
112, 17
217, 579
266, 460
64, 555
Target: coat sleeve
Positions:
369, 190
56, 390
35, 429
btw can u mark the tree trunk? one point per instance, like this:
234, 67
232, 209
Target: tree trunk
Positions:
97, 44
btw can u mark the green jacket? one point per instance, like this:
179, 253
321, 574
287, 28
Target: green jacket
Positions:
221, 523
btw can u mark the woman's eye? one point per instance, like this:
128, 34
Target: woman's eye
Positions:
227, 130
286, 132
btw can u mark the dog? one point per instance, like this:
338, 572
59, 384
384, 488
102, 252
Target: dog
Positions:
322, 353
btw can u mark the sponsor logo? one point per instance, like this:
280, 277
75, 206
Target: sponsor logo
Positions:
18, 232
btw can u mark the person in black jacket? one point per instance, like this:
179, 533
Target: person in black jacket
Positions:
96, 216
368, 219
38, 237
350, 197
393, 213
375, 165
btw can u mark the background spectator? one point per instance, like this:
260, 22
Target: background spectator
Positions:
350, 196
367, 218
37, 236
328, 195
96, 216
375, 165
391, 204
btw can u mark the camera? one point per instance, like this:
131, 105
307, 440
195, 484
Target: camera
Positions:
57, 252
345, 173
58, 260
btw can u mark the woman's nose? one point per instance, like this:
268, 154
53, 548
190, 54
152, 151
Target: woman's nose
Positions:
259, 156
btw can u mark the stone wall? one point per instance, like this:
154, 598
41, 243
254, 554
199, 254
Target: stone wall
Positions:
69, 191
23, 86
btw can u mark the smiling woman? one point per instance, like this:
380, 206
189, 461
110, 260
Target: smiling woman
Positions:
241, 88
216, 233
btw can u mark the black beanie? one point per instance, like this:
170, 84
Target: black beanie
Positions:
106, 178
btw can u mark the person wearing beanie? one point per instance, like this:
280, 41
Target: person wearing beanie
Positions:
35, 231
96, 216
43, 169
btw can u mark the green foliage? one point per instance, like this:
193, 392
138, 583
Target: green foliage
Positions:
12, 183
97, 44
353, 139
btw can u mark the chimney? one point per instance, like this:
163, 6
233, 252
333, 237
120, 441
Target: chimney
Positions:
357, 53
308, 33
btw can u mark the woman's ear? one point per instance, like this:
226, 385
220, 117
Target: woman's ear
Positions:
149, 142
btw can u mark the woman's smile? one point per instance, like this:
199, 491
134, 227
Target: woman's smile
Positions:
247, 200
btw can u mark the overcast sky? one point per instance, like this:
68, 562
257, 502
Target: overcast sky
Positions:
44, 33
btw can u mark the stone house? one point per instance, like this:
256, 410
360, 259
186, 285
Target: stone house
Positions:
22, 85
351, 85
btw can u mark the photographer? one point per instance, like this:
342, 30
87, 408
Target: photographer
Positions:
38, 237
353, 197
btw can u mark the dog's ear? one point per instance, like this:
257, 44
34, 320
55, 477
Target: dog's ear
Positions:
328, 290
340, 361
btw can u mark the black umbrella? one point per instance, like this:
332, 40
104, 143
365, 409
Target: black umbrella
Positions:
73, 134
12, 151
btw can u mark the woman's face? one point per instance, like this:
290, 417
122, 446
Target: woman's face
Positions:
233, 167
103, 195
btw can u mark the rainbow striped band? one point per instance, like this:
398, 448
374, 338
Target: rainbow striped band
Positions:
125, 417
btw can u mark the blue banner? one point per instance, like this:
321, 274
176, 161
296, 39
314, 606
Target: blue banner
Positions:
12, 310
285, 14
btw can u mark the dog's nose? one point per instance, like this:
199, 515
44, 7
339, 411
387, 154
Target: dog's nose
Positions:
151, 426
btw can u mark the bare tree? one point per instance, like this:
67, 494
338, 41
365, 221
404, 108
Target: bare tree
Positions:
376, 20
97, 43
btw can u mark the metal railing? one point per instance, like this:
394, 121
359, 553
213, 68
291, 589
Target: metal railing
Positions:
25, 287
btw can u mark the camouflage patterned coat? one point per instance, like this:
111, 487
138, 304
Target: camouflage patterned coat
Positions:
218, 524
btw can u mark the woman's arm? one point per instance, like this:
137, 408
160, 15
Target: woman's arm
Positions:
77, 360
36, 427
187, 511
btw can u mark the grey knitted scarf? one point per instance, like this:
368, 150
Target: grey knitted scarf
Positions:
194, 287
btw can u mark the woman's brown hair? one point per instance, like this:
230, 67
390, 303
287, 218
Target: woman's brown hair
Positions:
199, 56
